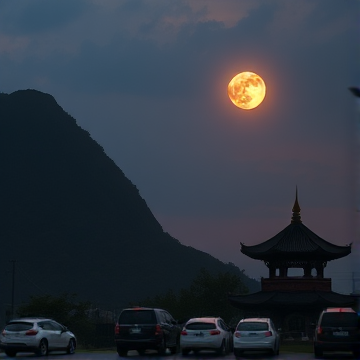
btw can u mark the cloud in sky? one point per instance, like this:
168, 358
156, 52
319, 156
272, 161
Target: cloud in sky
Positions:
148, 81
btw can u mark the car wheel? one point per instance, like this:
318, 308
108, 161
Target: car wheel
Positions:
162, 348
317, 353
121, 351
175, 349
277, 352
356, 354
221, 349
231, 346
237, 353
227, 347
71, 347
185, 352
10, 353
141, 352
43, 348
274, 351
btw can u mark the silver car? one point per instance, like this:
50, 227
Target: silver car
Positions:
36, 335
206, 333
256, 334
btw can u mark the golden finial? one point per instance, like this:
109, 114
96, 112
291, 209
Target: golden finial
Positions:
296, 218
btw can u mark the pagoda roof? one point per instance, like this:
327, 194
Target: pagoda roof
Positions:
296, 242
297, 299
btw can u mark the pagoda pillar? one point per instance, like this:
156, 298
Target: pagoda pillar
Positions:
272, 271
307, 271
319, 271
283, 271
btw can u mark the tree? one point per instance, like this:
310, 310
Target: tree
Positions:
206, 296
64, 309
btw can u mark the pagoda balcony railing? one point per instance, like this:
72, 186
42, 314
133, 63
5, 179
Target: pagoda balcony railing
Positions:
296, 284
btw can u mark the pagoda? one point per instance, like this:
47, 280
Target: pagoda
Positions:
293, 302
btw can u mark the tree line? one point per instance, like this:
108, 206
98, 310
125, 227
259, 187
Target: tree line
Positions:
206, 296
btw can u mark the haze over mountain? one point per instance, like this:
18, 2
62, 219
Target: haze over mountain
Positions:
72, 220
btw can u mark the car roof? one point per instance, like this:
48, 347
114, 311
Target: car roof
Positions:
255, 320
137, 308
206, 319
338, 309
30, 319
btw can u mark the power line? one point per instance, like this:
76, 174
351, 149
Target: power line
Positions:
13, 289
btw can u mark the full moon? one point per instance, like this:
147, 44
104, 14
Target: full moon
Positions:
247, 90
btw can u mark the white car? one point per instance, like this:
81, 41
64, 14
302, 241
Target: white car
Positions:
206, 333
36, 335
256, 334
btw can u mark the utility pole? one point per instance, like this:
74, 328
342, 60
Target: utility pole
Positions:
353, 282
13, 289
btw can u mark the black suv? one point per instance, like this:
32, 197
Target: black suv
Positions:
337, 330
142, 328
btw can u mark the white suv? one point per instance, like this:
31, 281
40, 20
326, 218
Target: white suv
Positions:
206, 333
36, 335
256, 334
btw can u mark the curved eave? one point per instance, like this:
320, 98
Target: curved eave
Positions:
318, 254
296, 242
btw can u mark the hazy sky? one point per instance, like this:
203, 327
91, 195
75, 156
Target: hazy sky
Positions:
148, 79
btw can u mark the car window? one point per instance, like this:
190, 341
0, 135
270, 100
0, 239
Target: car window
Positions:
18, 326
253, 326
167, 317
163, 317
46, 325
200, 326
137, 317
55, 325
223, 325
339, 319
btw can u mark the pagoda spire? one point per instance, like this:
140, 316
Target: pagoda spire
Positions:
296, 218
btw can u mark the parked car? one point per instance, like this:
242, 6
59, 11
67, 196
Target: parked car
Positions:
206, 333
141, 328
36, 335
337, 329
254, 334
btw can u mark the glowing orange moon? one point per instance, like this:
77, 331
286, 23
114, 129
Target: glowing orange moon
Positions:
247, 90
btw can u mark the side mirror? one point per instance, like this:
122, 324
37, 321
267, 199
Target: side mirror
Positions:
279, 329
64, 329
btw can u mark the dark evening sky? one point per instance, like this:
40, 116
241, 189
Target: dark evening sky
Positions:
148, 80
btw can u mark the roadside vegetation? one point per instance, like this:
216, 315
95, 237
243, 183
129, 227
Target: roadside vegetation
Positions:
65, 309
206, 296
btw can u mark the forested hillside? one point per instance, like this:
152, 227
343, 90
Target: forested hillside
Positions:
72, 220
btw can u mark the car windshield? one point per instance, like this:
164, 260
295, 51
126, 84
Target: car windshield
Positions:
137, 317
339, 319
18, 326
200, 326
253, 326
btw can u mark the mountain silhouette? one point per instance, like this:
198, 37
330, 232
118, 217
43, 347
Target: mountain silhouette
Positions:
73, 222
